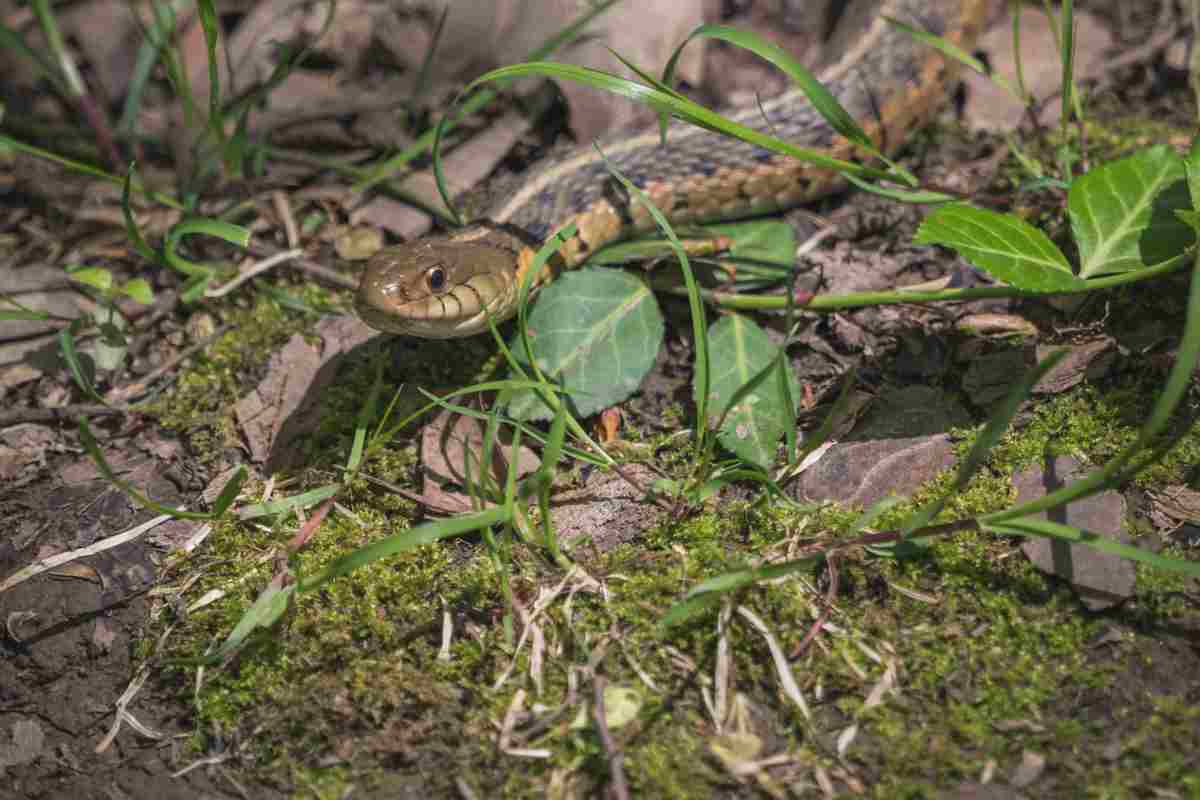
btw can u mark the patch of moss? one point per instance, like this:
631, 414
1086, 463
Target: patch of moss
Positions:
986, 652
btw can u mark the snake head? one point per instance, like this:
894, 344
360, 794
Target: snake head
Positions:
442, 287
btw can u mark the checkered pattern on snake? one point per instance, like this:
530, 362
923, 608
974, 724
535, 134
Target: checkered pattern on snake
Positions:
446, 286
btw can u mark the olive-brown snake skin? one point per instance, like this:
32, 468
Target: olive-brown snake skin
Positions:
445, 286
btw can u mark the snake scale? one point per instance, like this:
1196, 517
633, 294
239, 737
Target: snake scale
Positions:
445, 286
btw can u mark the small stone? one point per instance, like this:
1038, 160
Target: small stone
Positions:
1101, 580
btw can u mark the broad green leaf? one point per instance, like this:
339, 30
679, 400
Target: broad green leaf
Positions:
742, 353
595, 332
1003, 245
1123, 213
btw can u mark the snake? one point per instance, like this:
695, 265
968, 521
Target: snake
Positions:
449, 285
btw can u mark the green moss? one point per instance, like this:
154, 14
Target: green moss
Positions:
987, 656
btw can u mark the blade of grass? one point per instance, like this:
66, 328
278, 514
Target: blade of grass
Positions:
286, 504
822, 100
426, 142
1035, 526
956, 53
401, 542
701, 373
74, 361
87, 169
988, 438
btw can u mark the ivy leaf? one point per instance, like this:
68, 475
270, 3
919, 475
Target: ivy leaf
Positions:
596, 332
746, 382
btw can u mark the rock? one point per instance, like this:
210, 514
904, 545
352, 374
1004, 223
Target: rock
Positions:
1100, 580
900, 444
606, 509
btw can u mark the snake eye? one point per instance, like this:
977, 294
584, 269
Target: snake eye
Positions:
435, 278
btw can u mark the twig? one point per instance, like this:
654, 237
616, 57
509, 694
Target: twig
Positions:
413, 496
62, 414
616, 759
319, 271
123, 394
265, 265
822, 615
107, 543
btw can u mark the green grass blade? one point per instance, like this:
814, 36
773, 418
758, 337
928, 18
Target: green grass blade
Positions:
11, 40
671, 103
822, 100
702, 378
988, 438
268, 608
85, 169
288, 504
136, 240
708, 593
401, 542
154, 38
427, 141
92, 448
82, 373
1035, 526
1172, 394
207, 15
956, 53
365, 414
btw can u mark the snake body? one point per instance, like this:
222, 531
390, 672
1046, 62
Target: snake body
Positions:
446, 286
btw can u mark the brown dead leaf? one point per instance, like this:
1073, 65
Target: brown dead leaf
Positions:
606, 509
479, 36
990, 107
451, 446
1172, 506
465, 167
283, 407
78, 571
